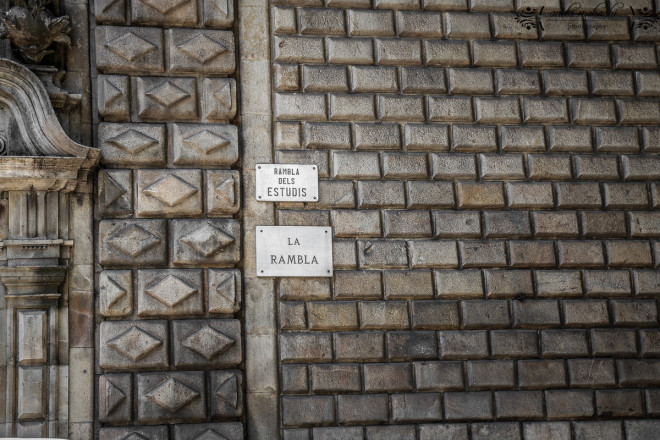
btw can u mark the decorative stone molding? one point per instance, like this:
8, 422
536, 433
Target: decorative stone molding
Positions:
40, 167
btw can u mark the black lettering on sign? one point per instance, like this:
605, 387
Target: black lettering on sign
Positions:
293, 259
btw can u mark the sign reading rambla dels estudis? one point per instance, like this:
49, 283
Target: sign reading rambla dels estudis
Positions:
287, 183
294, 251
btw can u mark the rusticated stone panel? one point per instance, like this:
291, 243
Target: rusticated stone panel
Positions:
170, 347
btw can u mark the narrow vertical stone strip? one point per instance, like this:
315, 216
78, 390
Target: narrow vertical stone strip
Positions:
260, 333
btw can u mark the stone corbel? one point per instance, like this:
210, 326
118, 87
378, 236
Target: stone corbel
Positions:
40, 167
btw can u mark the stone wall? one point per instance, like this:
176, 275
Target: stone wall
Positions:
169, 342
491, 180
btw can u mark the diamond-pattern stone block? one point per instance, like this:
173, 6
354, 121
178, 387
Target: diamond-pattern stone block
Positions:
132, 243
171, 397
207, 343
206, 242
113, 97
203, 51
116, 293
134, 433
209, 431
204, 144
115, 396
133, 345
222, 192
129, 50
218, 13
167, 99
110, 11
164, 12
169, 293
115, 193
132, 145
169, 193
224, 290
219, 99
226, 393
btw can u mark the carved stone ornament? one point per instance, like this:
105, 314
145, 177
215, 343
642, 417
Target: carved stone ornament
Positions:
32, 29
35, 153
39, 167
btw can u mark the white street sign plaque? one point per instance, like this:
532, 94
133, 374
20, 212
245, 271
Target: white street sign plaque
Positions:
294, 251
287, 183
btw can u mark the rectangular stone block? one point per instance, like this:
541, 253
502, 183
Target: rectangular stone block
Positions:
518, 405
169, 293
370, 23
336, 378
134, 50
387, 377
207, 343
525, 139
514, 343
350, 50
362, 409
132, 242
171, 397
133, 345
115, 193
541, 374
204, 145
218, 13
433, 254
468, 406
359, 347
589, 373
376, 136
166, 99
147, 432
219, 99
398, 51
321, 22
298, 49
115, 397
459, 284
228, 430
307, 410
205, 242
416, 407
201, 51
179, 13
545, 110
116, 293
113, 97
132, 145
223, 196
169, 193
463, 344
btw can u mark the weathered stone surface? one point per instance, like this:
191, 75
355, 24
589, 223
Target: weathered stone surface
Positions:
166, 99
132, 145
201, 51
204, 145
115, 398
116, 193
171, 397
126, 345
227, 393
223, 195
116, 293
219, 99
207, 343
132, 242
134, 433
205, 242
209, 431
113, 97
169, 293
129, 50
162, 12
224, 294
169, 193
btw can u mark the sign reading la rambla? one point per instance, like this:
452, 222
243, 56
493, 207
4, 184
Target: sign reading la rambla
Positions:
294, 251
